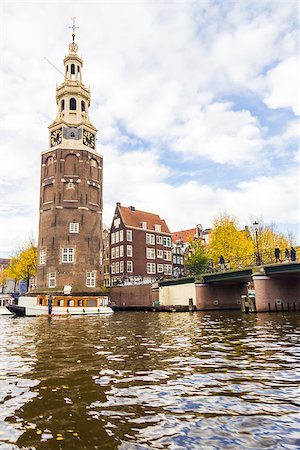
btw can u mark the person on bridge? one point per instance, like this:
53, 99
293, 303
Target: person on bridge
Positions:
293, 254
277, 254
222, 263
287, 255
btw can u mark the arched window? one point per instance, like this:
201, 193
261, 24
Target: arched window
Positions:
72, 69
78, 69
72, 104
82, 105
62, 105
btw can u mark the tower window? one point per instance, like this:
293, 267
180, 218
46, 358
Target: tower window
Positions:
62, 105
67, 255
72, 134
82, 105
72, 69
52, 279
72, 104
91, 279
74, 227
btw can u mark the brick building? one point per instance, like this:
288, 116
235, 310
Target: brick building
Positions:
106, 256
181, 243
140, 247
70, 227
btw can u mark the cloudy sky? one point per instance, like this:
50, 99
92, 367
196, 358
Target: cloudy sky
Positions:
196, 104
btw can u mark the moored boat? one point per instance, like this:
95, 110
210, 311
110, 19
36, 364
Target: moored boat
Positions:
61, 305
5, 300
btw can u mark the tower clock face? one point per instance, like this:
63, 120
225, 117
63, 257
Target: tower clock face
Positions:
88, 139
56, 137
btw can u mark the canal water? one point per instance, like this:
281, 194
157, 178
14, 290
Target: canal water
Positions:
150, 381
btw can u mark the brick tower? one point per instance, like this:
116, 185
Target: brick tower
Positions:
70, 227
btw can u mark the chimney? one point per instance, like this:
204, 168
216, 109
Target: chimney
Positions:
132, 208
118, 204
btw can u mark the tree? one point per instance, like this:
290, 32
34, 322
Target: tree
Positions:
268, 238
227, 240
24, 264
196, 259
3, 278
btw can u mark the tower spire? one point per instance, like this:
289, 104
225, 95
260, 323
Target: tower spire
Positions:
73, 27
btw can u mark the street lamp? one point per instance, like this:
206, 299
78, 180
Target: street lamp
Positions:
257, 255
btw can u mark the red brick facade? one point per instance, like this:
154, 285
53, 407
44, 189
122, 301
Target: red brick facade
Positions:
140, 247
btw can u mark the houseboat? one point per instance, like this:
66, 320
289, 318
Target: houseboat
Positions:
5, 300
60, 305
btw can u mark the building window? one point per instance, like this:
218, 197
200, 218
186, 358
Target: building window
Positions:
52, 279
129, 250
144, 225
151, 268
121, 266
67, 255
70, 185
150, 253
113, 268
117, 252
117, 236
160, 268
167, 241
72, 104
121, 235
43, 256
117, 222
167, 255
160, 253
129, 235
167, 269
129, 266
82, 106
159, 239
157, 228
117, 267
150, 239
121, 251
113, 252
74, 227
91, 279
113, 238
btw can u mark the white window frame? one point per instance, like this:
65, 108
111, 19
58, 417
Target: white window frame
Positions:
129, 266
167, 241
67, 255
167, 255
151, 268
160, 254
159, 239
144, 225
52, 279
113, 252
129, 251
43, 256
117, 237
129, 235
121, 235
117, 222
167, 269
160, 268
150, 253
117, 252
150, 239
74, 227
117, 267
91, 279
157, 228
121, 251
113, 238
121, 266
113, 268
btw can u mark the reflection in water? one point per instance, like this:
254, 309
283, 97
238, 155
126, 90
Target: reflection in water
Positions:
149, 381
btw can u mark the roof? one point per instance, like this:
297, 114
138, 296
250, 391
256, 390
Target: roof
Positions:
4, 261
184, 235
133, 218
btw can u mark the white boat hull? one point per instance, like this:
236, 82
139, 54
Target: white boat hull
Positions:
27, 306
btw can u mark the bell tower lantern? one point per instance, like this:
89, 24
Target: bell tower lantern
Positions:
70, 227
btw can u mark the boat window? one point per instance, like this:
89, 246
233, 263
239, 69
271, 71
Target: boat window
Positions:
71, 303
80, 303
60, 303
40, 301
91, 303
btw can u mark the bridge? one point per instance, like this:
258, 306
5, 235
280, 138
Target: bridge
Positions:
276, 286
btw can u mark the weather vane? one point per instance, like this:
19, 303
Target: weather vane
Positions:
73, 27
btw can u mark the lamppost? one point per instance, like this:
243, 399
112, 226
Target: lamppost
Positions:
257, 255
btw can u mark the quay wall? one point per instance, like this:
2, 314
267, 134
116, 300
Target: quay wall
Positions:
277, 294
178, 295
219, 296
134, 295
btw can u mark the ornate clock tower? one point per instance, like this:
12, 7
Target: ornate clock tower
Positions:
70, 228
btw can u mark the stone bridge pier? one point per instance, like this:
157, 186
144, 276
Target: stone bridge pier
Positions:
276, 293
219, 296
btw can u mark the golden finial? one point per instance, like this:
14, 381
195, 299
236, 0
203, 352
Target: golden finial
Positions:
73, 47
